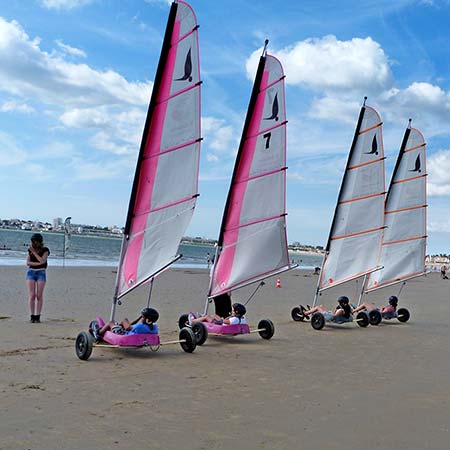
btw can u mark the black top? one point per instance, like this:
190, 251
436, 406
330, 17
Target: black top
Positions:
40, 253
223, 305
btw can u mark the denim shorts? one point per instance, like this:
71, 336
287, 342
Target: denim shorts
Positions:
36, 275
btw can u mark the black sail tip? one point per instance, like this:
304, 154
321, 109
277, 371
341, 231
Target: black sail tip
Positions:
409, 122
266, 43
365, 99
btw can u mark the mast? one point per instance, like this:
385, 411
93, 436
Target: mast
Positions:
252, 242
165, 185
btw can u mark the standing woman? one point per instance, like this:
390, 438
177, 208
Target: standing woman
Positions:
37, 263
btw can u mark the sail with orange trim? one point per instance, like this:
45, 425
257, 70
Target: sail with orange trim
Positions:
404, 243
356, 232
252, 242
165, 185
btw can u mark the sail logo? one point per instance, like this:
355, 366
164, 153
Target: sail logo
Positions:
417, 167
374, 150
275, 109
187, 68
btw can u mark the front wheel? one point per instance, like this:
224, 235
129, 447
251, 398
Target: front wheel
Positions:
362, 319
375, 317
317, 321
200, 332
297, 314
84, 345
403, 315
188, 341
267, 329
183, 320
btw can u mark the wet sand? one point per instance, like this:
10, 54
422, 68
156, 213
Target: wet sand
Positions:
345, 387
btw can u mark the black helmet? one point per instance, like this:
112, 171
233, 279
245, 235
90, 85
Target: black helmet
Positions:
393, 301
343, 300
239, 309
150, 314
37, 237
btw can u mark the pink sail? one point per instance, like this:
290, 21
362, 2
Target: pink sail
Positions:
166, 179
252, 242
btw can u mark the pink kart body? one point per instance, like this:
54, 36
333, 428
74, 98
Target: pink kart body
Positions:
129, 340
227, 329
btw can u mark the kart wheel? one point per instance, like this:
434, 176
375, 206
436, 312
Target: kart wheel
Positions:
362, 319
182, 321
317, 321
403, 315
374, 317
268, 328
83, 345
297, 315
200, 332
188, 337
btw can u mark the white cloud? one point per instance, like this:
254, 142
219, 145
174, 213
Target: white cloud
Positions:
51, 79
210, 157
70, 50
219, 136
438, 168
10, 153
328, 64
21, 107
335, 108
64, 4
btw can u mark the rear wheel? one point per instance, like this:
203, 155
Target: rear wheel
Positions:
267, 329
182, 321
362, 319
317, 321
374, 317
83, 345
297, 315
187, 337
403, 315
200, 332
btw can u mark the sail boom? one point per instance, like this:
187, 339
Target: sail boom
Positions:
398, 241
261, 175
396, 281
149, 277
266, 219
261, 277
174, 149
405, 180
364, 197
353, 277
370, 128
168, 205
411, 208
265, 130
373, 230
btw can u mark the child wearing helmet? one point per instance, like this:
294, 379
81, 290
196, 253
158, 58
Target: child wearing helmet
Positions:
387, 312
238, 311
144, 324
342, 313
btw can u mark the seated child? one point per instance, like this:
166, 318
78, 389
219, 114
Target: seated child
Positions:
237, 316
144, 324
342, 313
387, 312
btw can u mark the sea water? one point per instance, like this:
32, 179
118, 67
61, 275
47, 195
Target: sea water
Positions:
87, 250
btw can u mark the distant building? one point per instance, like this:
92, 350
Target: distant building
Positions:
57, 223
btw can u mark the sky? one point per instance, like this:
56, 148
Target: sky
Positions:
76, 78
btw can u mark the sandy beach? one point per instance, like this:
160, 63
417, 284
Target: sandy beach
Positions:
385, 387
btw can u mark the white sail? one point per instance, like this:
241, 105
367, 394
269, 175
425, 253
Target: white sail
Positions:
166, 180
357, 228
404, 243
252, 243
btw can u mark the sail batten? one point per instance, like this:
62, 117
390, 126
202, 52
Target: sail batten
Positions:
358, 223
165, 186
252, 242
404, 243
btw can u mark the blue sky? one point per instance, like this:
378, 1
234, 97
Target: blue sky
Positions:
76, 76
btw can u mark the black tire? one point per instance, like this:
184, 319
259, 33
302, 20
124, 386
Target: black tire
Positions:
188, 337
317, 321
200, 332
297, 314
375, 317
83, 345
362, 319
182, 321
403, 315
267, 328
